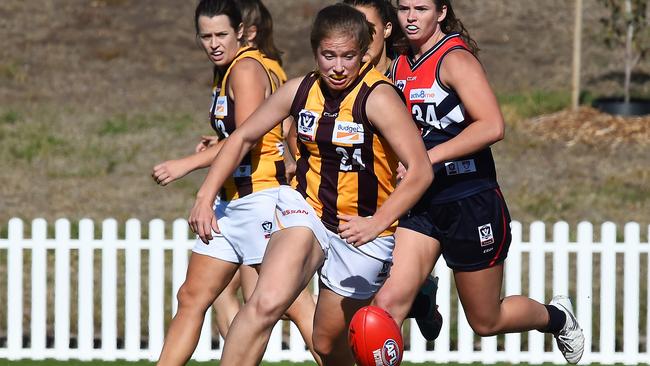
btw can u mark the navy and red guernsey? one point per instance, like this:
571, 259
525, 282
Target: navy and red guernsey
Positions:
441, 116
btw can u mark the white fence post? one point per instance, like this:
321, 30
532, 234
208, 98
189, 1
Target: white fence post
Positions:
156, 285
607, 293
513, 287
132, 289
109, 289
560, 268
86, 307
39, 289
585, 281
536, 282
631, 285
15, 289
62, 290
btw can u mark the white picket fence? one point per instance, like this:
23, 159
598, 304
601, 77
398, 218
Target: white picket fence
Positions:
616, 323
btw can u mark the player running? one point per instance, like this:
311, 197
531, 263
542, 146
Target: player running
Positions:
352, 128
463, 213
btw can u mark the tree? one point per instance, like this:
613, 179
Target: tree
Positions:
628, 25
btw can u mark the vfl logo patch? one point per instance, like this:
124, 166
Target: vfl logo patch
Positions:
347, 133
400, 84
388, 355
221, 107
460, 167
266, 228
307, 124
422, 95
486, 235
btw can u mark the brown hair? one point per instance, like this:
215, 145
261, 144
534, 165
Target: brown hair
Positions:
452, 24
396, 43
342, 19
255, 13
212, 8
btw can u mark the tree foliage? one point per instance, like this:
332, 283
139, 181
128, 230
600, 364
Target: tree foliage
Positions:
627, 26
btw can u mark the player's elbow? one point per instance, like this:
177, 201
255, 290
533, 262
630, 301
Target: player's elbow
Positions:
497, 131
500, 132
423, 175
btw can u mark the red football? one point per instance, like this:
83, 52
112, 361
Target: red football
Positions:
375, 338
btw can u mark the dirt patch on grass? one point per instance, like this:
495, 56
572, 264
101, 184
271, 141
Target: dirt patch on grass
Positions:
592, 127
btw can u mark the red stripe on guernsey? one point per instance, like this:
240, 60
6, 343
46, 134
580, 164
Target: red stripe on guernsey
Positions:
505, 227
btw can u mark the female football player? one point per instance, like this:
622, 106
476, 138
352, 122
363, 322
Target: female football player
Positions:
258, 33
388, 42
352, 128
463, 213
248, 198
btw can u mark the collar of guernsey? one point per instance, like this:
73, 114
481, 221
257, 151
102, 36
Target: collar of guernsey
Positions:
346, 166
263, 166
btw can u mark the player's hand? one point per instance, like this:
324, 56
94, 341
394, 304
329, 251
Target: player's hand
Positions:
357, 230
169, 171
202, 221
401, 172
206, 141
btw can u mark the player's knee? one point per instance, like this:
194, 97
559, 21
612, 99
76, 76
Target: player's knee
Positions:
393, 303
323, 345
192, 297
267, 308
485, 327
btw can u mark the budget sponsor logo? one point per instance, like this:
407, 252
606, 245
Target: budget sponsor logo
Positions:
348, 133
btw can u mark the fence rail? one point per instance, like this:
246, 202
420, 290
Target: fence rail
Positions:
111, 297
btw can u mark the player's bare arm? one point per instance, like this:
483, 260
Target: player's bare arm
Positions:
462, 72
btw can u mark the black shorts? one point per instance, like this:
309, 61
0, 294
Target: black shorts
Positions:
474, 232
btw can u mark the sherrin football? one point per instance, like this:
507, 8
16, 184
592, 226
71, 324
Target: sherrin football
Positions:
375, 338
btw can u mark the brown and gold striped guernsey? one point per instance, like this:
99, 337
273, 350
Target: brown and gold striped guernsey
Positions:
275, 69
345, 165
263, 166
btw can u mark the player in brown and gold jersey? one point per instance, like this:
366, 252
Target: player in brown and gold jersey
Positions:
353, 128
248, 199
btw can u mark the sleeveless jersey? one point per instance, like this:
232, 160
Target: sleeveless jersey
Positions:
263, 166
441, 116
345, 165
275, 69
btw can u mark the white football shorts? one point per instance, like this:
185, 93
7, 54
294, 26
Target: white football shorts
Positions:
356, 273
246, 225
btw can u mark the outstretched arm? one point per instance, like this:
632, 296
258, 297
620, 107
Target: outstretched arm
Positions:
171, 170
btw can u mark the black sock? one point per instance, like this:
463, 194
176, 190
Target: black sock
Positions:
420, 307
556, 320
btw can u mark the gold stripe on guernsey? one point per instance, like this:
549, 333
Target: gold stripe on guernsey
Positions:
275, 69
263, 166
346, 167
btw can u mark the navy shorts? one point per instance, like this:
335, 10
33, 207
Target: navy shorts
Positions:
474, 232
